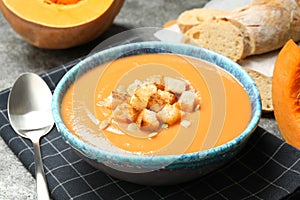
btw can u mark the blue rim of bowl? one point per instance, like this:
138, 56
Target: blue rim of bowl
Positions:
189, 160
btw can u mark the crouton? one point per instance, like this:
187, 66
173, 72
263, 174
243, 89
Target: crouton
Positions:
133, 86
106, 102
168, 97
155, 107
187, 101
117, 98
170, 114
157, 80
124, 113
147, 120
174, 85
159, 99
141, 96
122, 89
152, 105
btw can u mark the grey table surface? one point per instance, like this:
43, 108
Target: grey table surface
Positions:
17, 56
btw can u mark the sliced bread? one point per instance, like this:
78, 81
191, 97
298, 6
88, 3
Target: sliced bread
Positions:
225, 36
190, 18
264, 85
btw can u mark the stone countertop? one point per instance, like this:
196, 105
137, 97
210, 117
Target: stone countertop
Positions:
17, 56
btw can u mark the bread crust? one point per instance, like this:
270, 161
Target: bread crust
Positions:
268, 24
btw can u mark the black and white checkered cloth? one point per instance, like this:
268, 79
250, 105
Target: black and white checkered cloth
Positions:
267, 168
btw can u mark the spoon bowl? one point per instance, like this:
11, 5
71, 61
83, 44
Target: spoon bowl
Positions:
29, 113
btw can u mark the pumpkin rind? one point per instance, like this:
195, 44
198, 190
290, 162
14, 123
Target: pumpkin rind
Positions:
51, 37
285, 92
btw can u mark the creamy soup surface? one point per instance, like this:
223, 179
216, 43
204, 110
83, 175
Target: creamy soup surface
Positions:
221, 110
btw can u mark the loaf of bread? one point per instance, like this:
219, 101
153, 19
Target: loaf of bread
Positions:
293, 7
268, 25
264, 85
260, 27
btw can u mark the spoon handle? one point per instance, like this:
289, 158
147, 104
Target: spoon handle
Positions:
41, 183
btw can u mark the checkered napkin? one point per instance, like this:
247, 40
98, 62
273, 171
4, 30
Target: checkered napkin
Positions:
267, 168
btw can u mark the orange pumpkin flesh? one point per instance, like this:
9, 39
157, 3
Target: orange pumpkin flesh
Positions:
65, 2
60, 24
286, 93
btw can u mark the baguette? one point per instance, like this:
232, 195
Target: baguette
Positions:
264, 25
293, 7
268, 25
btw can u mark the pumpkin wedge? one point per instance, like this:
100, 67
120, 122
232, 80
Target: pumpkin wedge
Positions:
60, 24
286, 92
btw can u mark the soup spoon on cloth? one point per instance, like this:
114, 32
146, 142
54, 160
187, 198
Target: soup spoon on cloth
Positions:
29, 113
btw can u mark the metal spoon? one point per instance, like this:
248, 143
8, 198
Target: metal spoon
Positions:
29, 113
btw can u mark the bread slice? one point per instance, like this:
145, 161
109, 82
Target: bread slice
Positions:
264, 85
225, 36
191, 18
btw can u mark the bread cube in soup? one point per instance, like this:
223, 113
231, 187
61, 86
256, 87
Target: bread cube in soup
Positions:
188, 101
133, 86
170, 114
141, 96
124, 113
159, 99
174, 85
117, 98
147, 120
157, 80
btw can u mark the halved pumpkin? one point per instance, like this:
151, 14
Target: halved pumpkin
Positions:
286, 92
59, 24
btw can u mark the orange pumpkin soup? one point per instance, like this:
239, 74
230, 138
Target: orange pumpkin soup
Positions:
220, 110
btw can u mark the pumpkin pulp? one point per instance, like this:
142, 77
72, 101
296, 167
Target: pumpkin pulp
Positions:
286, 92
58, 13
65, 2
